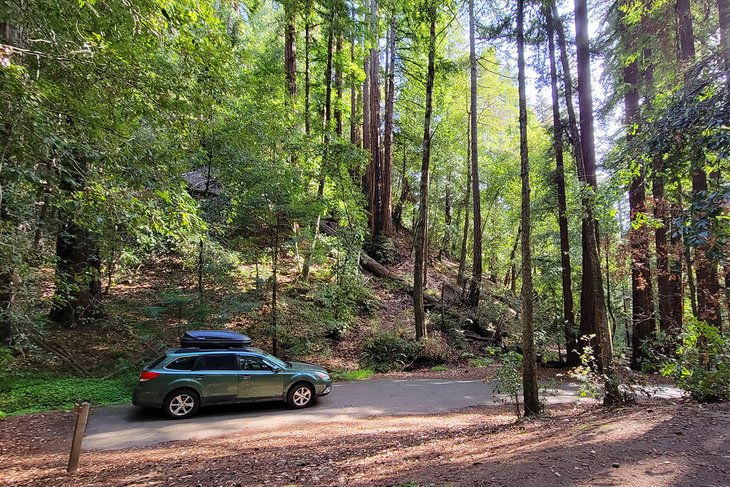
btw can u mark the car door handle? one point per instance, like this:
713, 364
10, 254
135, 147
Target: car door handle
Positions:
244, 377
199, 377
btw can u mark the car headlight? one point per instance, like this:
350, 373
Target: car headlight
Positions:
322, 375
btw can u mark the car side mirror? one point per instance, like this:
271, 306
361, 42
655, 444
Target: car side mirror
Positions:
276, 370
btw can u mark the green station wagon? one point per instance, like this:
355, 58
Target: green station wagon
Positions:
184, 379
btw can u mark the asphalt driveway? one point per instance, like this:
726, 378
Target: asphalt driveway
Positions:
117, 427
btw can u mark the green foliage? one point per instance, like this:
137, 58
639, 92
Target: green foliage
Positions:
481, 362
702, 363
507, 376
590, 380
388, 351
439, 368
32, 394
350, 375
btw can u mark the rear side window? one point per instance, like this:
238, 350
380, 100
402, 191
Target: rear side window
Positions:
156, 362
216, 362
184, 363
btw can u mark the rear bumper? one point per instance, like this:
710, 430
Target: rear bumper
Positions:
147, 399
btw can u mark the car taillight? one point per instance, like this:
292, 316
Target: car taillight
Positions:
148, 375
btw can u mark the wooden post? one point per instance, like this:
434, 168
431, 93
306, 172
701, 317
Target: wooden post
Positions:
82, 416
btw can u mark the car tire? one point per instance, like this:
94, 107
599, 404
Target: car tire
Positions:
181, 404
301, 395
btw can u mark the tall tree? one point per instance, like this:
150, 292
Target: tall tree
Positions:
587, 326
421, 237
641, 283
476, 274
592, 297
529, 365
571, 342
387, 180
708, 288
290, 48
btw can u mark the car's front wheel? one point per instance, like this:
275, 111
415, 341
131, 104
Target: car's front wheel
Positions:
181, 404
300, 396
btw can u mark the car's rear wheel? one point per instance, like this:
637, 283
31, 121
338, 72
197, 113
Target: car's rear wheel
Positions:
181, 404
300, 395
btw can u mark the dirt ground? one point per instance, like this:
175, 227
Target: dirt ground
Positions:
659, 443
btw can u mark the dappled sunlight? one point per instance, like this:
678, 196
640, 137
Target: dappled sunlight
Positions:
662, 445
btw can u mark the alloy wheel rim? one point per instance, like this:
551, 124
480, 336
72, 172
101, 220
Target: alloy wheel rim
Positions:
302, 396
182, 404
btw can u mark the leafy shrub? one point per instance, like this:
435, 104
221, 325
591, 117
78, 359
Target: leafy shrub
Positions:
359, 374
435, 350
387, 351
481, 362
702, 363
6, 357
52, 393
586, 373
508, 377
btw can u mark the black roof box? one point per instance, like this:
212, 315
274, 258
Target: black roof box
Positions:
214, 339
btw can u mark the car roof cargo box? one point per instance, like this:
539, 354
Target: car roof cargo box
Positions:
214, 339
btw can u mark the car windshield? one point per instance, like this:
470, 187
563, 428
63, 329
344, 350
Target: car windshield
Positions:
276, 361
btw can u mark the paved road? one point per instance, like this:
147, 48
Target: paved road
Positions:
119, 427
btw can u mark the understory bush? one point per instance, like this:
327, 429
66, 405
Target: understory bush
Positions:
388, 351
25, 394
701, 365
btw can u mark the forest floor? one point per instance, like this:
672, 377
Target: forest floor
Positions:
660, 443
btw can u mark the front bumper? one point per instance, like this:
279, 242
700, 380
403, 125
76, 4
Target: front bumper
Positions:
327, 388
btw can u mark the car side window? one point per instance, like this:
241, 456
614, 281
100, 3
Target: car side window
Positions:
184, 363
254, 363
216, 362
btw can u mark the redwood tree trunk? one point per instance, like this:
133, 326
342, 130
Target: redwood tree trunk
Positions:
338, 85
460, 281
476, 273
593, 290
529, 366
387, 188
708, 287
571, 342
421, 236
641, 284
290, 50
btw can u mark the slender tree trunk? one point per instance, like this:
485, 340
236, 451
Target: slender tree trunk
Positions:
275, 289
594, 289
529, 367
587, 301
405, 190
354, 128
290, 50
387, 203
375, 174
571, 342
307, 44
460, 281
476, 274
421, 237
338, 85
668, 255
